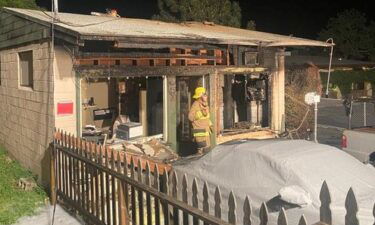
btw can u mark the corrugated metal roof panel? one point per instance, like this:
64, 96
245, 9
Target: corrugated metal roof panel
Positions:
101, 26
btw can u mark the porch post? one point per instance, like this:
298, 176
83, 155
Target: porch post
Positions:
278, 93
213, 93
171, 112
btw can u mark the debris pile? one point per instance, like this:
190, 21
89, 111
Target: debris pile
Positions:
153, 148
300, 80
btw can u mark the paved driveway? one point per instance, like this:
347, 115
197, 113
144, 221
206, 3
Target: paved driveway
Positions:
331, 112
332, 120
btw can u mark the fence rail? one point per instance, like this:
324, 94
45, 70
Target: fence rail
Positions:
111, 187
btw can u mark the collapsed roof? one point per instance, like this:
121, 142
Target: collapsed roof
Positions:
89, 27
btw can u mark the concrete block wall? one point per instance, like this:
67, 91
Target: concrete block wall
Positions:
65, 89
27, 115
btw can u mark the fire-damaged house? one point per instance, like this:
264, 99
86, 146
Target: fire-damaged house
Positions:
141, 73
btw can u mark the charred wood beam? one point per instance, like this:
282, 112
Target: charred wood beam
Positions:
143, 71
147, 55
162, 42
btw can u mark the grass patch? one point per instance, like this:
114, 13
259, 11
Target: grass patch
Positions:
15, 202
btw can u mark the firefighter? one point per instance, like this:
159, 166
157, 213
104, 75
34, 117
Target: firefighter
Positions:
199, 115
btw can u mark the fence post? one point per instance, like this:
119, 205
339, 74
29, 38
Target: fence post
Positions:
247, 211
351, 209
232, 216
140, 193
195, 199
165, 203
206, 205
53, 175
133, 194
281, 220
185, 216
325, 200
123, 212
174, 184
148, 196
157, 187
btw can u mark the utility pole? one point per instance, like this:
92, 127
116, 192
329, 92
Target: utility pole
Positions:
330, 62
55, 7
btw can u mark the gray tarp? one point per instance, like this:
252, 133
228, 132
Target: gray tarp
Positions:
259, 169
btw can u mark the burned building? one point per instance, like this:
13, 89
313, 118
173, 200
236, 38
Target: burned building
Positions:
100, 68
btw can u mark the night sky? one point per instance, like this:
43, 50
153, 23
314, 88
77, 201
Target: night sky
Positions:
301, 18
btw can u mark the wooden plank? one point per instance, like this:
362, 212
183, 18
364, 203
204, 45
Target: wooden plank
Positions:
92, 181
123, 214
113, 191
9, 20
143, 111
87, 178
34, 36
70, 171
141, 55
148, 196
206, 195
133, 194
185, 216
140, 194
4, 16
107, 188
75, 172
98, 212
17, 26
264, 134
174, 180
82, 180
156, 186
102, 187
195, 199
169, 71
171, 113
53, 176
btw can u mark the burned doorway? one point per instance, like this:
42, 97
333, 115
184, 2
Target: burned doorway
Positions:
141, 100
186, 86
123, 99
245, 101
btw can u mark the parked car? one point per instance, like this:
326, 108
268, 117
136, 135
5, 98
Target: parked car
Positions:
282, 173
360, 143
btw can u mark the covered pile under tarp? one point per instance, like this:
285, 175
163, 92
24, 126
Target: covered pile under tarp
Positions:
260, 169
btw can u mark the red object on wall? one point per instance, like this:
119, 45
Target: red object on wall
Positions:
64, 108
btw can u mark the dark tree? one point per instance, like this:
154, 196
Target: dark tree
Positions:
224, 12
27, 4
352, 34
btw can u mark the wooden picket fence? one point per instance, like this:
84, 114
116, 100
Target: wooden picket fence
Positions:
111, 187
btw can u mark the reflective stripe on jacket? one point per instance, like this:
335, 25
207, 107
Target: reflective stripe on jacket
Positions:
200, 133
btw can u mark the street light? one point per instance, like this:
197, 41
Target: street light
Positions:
330, 62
